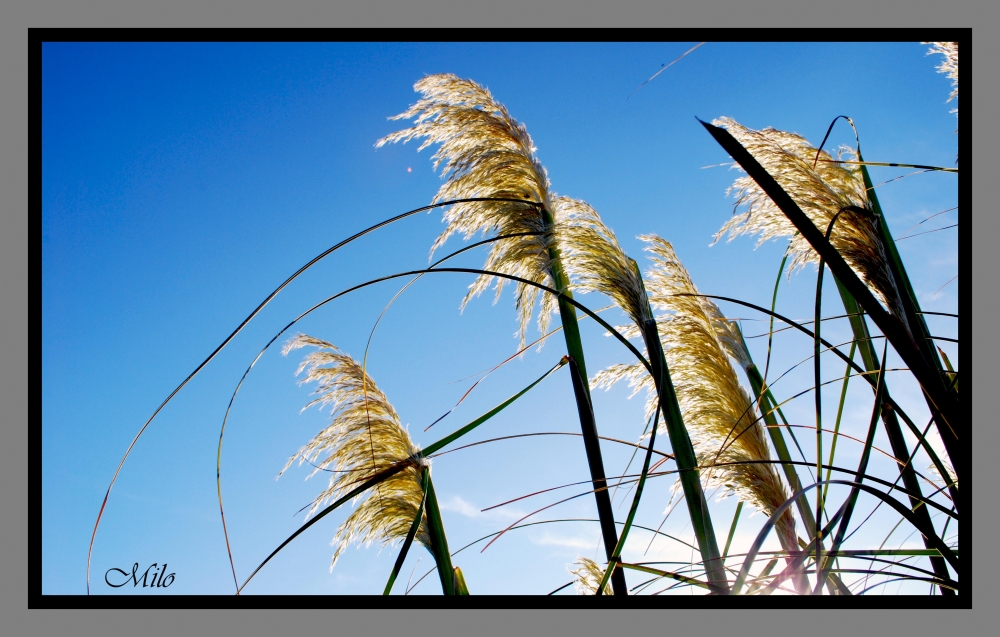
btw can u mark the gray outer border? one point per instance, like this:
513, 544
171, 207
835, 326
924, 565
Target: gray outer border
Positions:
18, 15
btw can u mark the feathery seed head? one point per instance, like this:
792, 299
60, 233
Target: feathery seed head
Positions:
952, 477
363, 437
588, 576
821, 191
484, 152
594, 260
698, 342
949, 65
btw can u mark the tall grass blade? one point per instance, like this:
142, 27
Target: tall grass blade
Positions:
447, 440
840, 414
732, 529
889, 165
687, 461
911, 306
439, 543
668, 574
593, 448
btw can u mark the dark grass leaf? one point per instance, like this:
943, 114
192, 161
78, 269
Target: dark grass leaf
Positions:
942, 404
592, 445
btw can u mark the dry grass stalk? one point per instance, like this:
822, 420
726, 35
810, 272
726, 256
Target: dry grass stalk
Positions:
363, 437
698, 342
821, 191
484, 152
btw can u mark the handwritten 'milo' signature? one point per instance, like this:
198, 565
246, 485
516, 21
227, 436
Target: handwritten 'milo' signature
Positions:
159, 579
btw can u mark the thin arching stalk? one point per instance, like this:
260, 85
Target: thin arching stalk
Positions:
114, 478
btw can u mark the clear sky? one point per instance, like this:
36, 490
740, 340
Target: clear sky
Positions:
182, 183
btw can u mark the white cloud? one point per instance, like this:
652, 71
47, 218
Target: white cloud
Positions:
579, 543
460, 506
469, 510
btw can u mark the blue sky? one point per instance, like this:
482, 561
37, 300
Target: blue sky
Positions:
182, 183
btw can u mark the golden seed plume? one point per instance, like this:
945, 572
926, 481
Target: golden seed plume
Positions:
594, 260
484, 152
363, 437
949, 65
698, 342
820, 191
587, 577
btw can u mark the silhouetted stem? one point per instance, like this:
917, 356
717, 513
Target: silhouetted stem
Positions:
588, 424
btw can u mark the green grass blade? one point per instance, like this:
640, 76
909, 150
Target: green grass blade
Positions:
840, 413
770, 326
908, 299
732, 530
592, 446
890, 165
817, 394
439, 542
461, 588
450, 438
403, 550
